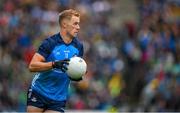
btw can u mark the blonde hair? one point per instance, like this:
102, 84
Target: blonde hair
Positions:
67, 14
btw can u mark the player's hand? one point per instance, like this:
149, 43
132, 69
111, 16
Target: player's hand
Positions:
77, 80
61, 64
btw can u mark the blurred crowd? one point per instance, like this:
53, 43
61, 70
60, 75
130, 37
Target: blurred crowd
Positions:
135, 67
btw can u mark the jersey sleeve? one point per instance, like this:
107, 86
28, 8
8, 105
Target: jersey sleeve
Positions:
45, 48
81, 50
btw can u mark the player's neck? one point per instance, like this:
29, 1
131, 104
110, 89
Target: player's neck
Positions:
67, 39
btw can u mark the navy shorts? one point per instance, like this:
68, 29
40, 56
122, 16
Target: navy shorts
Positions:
37, 100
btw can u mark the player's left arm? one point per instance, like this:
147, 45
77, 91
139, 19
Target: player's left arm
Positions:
81, 52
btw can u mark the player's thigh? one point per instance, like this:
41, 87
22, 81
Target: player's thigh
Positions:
34, 109
51, 111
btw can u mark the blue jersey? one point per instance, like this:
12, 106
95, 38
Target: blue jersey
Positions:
54, 83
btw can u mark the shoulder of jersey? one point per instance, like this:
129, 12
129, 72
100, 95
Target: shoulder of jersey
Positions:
77, 41
52, 39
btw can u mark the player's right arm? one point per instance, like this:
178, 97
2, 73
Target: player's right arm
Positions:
38, 64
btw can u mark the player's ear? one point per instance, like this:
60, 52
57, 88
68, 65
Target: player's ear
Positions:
64, 24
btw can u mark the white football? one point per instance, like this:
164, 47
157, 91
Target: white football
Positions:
77, 67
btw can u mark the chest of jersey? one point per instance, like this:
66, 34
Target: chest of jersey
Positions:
63, 52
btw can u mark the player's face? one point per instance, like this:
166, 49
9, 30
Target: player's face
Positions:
73, 26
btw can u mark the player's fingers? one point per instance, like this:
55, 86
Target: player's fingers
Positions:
65, 64
66, 60
64, 68
79, 79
